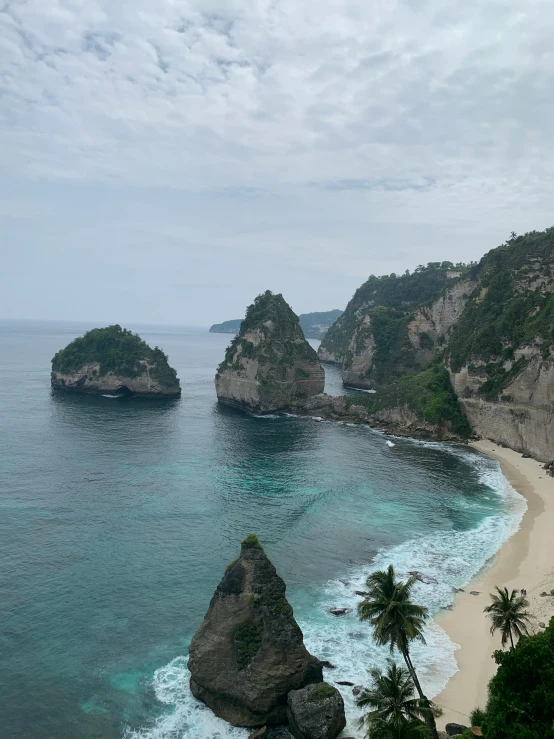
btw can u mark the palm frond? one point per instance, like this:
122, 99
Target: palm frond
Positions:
508, 614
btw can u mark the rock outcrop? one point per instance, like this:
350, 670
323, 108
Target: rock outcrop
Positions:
316, 712
113, 360
501, 354
400, 419
491, 325
248, 653
394, 326
269, 365
522, 418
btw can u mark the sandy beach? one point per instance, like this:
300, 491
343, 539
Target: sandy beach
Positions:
526, 560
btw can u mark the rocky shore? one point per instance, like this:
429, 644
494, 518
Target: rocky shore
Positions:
400, 420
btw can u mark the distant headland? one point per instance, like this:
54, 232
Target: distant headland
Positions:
314, 325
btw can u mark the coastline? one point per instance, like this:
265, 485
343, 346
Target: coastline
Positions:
523, 561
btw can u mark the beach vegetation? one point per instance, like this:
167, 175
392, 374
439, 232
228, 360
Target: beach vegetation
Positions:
397, 622
509, 615
477, 717
407, 729
521, 694
391, 700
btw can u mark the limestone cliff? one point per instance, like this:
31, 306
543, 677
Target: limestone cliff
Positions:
394, 325
501, 355
114, 360
523, 417
491, 326
248, 652
269, 365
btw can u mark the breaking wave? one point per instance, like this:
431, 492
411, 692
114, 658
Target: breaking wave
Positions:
452, 558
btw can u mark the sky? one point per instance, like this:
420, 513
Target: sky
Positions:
164, 161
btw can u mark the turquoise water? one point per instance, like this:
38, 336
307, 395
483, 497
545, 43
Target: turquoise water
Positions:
117, 518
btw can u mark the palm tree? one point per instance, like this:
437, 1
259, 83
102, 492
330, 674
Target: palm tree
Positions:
390, 698
396, 621
508, 612
405, 729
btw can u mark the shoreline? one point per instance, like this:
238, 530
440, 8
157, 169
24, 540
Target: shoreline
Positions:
523, 561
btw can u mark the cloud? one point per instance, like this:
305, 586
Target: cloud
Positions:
431, 114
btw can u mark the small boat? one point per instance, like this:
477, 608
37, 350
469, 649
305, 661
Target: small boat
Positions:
389, 443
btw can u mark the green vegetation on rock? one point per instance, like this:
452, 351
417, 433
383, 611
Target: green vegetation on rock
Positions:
508, 309
428, 394
322, 691
251, 542
248, 640
392, 299
116, 350
281, 341
272, 591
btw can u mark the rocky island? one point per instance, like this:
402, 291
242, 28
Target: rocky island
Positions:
114, 360
248, 661
269, 366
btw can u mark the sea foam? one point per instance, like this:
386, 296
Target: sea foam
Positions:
452, 558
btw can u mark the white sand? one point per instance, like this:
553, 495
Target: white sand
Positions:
526, 560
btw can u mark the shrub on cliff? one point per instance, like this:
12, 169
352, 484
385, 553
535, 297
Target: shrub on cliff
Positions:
521, 694
428, 394
509, 309
390, 301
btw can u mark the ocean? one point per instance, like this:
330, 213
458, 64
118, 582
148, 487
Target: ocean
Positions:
118, 517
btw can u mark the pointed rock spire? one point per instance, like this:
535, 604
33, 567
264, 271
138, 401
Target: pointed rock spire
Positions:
269, 365
248, 652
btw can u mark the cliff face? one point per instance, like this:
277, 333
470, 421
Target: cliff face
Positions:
248, 653
523, 417
491, 327
87, 380
501, 355
269, 366
394, 325
115, 361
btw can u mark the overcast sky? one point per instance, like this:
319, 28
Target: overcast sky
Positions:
167, 160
